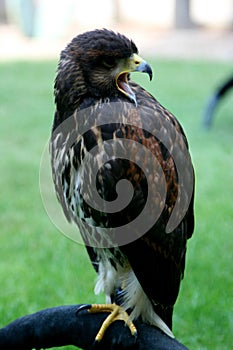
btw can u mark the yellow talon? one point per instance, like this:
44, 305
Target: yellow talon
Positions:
117, 313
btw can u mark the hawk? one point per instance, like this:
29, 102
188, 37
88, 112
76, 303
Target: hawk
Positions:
112, 144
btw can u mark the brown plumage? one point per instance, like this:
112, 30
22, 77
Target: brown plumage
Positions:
105, 121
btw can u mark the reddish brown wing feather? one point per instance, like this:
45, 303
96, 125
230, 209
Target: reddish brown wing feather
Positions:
158, 258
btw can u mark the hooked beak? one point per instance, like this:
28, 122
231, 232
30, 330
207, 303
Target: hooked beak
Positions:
142, 66
133, 64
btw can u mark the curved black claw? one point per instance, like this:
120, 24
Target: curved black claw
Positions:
84, 307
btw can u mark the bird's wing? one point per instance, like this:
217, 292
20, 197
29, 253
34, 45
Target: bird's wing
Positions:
158, 257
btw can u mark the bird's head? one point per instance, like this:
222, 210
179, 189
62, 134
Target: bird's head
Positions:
99, 63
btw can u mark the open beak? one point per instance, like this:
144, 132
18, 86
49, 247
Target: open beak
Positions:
133, 64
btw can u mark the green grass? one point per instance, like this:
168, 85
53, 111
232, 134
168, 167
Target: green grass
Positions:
40, 268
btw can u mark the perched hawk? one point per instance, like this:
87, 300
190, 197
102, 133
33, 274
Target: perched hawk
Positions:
112, 144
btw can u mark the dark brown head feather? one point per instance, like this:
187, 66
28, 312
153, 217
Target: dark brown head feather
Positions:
81, 72
101, 42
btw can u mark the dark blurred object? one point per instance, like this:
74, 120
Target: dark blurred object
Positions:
62, 326
214, 100
3, 16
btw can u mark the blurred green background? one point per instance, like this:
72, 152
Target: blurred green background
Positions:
40, 268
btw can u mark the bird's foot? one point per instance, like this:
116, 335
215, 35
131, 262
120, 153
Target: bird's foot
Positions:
117, 313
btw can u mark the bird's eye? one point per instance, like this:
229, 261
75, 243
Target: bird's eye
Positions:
108, 62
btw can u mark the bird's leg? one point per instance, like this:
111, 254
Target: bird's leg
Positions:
117, 313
